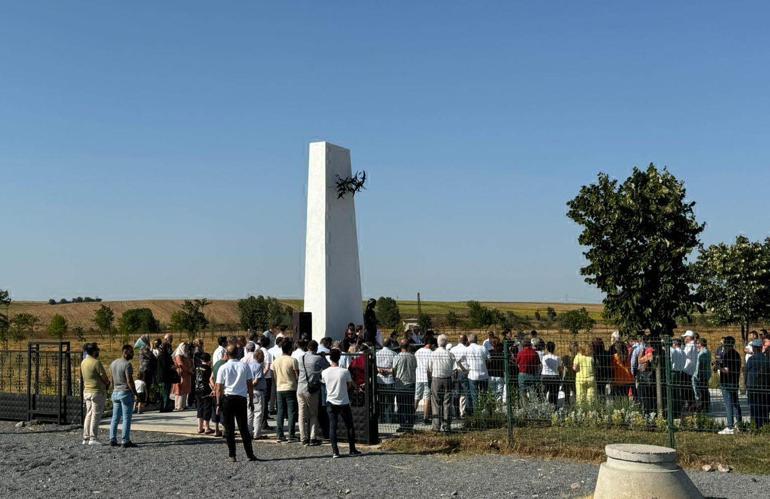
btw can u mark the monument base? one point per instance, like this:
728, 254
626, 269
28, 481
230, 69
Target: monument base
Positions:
641, 471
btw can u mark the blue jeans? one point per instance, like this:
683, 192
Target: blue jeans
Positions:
122, 407
474, 389
733, 407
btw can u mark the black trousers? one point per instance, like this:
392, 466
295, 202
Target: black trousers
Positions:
234, 410
758, 407
268, 395
405, 401
347, 417
551, 389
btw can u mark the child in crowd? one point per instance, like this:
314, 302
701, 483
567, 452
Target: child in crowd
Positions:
141, 393
204, 401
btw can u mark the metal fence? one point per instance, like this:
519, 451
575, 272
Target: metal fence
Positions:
42, 382
661, 386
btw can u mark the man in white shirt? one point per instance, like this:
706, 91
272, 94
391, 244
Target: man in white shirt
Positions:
219, 352
551, 374
441, 369
267, 368
690, 352
488, 342
275, 352
338, 381
299, 352
234, 387
460, 395
386, 393
677, 375
324, 346
422, 382
478, 377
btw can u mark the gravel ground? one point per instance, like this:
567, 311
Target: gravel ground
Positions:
48, 462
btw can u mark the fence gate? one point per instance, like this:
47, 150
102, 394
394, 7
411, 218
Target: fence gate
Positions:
50, 388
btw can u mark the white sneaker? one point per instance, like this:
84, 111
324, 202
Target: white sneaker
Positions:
727, 431
94, 442
84, 442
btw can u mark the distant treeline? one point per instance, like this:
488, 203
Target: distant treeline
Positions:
79, 299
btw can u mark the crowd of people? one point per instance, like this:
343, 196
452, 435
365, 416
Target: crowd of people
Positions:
250, 379
452, 381
241, 384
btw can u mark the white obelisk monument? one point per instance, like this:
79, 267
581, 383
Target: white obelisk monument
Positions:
332, 273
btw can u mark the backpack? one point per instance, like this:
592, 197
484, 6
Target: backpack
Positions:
202, 375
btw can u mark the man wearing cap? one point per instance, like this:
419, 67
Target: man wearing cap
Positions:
758, 384
233, 388
690, 351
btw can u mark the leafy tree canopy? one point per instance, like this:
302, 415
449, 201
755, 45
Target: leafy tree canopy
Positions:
481, 316
734, 281
136, 321
575, 321
190, 318
259, 313
388, 313
639, 235
23, 326
58, 327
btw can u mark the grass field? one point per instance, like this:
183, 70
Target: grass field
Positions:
745, 453
221, 312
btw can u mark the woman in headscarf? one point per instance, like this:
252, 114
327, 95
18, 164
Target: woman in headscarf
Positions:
148, 363
184, 366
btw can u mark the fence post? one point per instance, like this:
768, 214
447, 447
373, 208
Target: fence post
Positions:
508, 391
669, 392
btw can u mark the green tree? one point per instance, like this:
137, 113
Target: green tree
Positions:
104, 318
639, 235
480, 316
509, 320
388, 313
137, 321
254, 313
734, 282
260, 313
575, 321
276, 312
79, 333
190, 318
425, 322
58, 327
452, 320
23, 326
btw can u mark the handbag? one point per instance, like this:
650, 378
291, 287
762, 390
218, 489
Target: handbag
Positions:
311, 387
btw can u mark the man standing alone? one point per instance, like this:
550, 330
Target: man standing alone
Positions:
338, 381
233, 387
95, 383
123, 395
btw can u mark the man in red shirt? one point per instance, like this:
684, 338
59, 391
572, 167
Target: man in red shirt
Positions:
528, 362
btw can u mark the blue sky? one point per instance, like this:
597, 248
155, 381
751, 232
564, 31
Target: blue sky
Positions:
159, 149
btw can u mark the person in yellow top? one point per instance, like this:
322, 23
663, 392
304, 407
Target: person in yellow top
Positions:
585, 383
95, 383
285, 371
